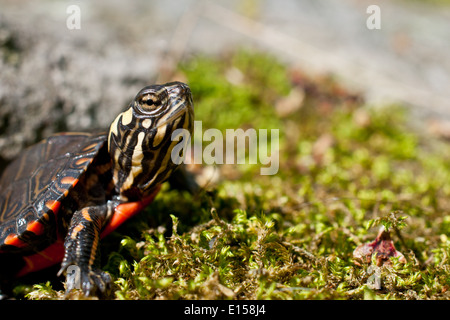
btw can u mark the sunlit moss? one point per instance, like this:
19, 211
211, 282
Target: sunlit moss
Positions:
345, 170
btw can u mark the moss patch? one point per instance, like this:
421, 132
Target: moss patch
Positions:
344, 170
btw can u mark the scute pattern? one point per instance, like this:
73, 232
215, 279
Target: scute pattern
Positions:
40, 178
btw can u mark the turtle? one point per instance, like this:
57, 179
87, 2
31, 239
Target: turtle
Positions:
65, 193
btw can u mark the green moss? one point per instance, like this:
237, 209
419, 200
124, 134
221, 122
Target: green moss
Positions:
237, 93
345, 170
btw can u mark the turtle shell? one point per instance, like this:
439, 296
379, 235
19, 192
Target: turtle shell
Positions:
33, 186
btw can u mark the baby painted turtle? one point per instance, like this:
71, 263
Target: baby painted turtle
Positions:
62, 195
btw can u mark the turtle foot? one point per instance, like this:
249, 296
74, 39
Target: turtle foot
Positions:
91, 281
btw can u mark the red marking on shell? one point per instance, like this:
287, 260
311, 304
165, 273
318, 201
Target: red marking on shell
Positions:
69, 180
90, 147
53, 205
14, 240
36, 227
51, 255
125, 211
83, 161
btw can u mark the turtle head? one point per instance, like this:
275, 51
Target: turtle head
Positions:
140, 138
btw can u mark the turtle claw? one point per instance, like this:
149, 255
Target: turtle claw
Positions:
95, 281
90, 281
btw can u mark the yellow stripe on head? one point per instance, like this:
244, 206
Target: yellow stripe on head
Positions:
139, 140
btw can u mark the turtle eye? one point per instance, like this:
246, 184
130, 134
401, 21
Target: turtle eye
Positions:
151, 101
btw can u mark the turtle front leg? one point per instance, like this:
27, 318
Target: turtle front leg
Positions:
81, 247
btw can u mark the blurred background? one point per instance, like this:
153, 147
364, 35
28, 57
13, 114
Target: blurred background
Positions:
363, 117
54, 78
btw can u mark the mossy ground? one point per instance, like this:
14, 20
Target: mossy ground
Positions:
344, 170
